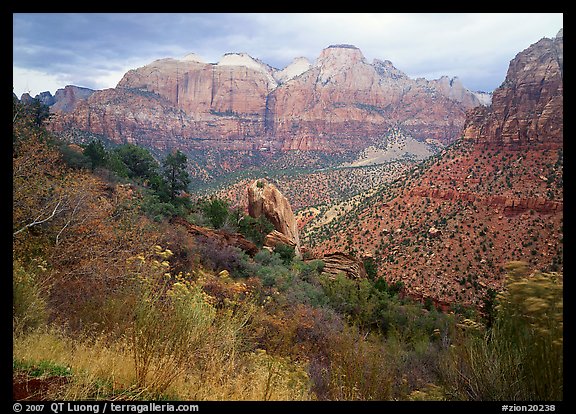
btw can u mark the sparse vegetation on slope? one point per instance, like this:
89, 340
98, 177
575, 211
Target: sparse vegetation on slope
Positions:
111, 302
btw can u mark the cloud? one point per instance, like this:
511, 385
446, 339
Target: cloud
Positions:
33, 81
96, 49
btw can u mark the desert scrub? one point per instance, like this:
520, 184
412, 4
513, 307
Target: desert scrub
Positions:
29, 290
275, 375
171, 322
521, 356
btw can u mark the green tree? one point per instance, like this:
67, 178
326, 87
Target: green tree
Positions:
97, 154
175, 174
217, 211
254, 229
138, 161
285, 252
371, 268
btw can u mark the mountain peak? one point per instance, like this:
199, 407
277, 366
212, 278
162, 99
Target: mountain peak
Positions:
386, 69
560, 34
298, 66
342, 53
342, 46
244, 59
239, 59
336, 59
193, 57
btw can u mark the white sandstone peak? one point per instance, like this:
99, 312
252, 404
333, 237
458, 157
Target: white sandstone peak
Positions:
240, 59
245, 60
297, 67
193, 57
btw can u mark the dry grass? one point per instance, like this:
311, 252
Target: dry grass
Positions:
102, 369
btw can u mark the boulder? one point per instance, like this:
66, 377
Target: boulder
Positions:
265, 199
274, 238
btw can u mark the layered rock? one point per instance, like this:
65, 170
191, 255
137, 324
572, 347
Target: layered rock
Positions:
343, 102
274, 238
339, 103
527, 109
337, 263
265, 199
459, 219
510, 205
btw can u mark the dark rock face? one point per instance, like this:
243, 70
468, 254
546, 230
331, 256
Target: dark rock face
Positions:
527, 109
67, 99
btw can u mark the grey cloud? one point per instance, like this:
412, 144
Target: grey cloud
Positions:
475, 47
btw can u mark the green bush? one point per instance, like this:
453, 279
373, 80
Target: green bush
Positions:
521, 356
285, 252
253, 229
216, 211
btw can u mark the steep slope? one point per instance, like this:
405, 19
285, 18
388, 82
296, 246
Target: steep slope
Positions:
448, 226
528, 107
342, 101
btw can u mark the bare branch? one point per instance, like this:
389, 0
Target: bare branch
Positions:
37, 221
70, 219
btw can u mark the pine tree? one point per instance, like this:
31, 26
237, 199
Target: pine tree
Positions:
175, 173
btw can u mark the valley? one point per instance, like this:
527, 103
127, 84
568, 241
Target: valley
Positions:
331, 231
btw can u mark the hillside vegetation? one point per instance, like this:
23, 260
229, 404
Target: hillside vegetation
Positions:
114, 301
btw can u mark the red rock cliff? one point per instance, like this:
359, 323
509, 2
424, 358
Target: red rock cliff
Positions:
341, 102
528, 107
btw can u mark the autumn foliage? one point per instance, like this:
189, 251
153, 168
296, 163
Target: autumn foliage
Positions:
118, 303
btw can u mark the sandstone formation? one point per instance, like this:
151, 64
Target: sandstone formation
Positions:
274, 238
336, 263
448, 228
341, 102
527, 109
64, 100
265, 199
67, 99
509, 205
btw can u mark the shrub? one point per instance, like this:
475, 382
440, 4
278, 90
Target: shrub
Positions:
169, 325
253, 229
358, 369
285, 252
29, 308
217, 257
217, 211
520, 356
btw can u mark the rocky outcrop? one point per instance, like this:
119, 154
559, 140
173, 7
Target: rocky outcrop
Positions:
64, 100
509, 205
274, 238
337, 263
265, 199
221, 237
527, 109
341, 102
67, 99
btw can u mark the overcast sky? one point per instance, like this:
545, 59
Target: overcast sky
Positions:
52, 50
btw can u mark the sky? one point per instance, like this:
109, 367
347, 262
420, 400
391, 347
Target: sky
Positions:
94, 50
